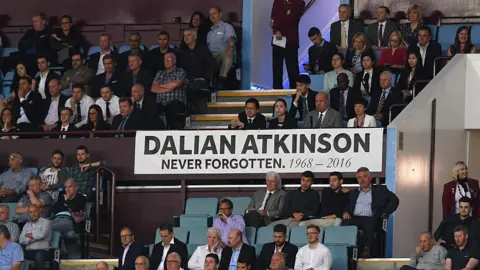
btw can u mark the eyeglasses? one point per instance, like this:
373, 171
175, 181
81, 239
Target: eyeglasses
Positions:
125, 236
140, 263
172, 262
13, 157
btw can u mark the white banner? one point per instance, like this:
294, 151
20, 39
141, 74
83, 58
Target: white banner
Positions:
258, 151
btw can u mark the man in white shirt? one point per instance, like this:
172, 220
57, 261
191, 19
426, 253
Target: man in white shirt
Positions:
129, 251
104, 43
169, 244
314, 255
80, 104
44, 77
108, 103
214, 245
36, 236
53, 104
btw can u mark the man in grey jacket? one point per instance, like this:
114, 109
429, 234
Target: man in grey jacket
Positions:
427, 256
323, 116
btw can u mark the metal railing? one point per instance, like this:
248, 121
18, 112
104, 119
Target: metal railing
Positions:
435, 63
392, 107
43, 134
414, 90
110, 204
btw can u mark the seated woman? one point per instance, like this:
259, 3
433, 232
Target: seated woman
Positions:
410, 30
361, 119
95, 120
462, 43
20, 71
283, 119
367, 81
410, 75
330, 79
7, 123
395, 56
353, 59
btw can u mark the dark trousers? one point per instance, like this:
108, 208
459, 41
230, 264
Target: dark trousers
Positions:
175, 113
11, 198
290, 54
198, 93
408, 267
38, 256
253, 219
365, 224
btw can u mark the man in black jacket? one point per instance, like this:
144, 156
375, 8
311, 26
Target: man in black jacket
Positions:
27, 107
428, 49
146, 107
136, 47
279, 245
343, 98
250, 118
44, 77
168, 244
320, 53
51, 106
382, 99
368, 206
237, 251
110, 78
129, 251
95, 61
127, 119
135, 75
343, 39
304, 100
444, 233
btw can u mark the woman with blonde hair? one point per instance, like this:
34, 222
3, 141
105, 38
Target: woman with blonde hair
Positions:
410, 30
353, 59
395, 56
460, 186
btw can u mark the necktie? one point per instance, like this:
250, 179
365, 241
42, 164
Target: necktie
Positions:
121, 127
342, 103
107, 105
78, 117
249, 121
343, 36
319, 122
63, 136
381, 102
305, 109
137, 104
380, 35
268, 198
366, 85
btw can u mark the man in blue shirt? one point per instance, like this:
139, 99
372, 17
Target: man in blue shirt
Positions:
11, 254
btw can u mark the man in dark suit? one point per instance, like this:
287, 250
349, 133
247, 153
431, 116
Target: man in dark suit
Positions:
382, 99
279, 244
65, 124
247, 253
250, 118
323, 116
27, 107
379, 32
109, 78
155, 58
382, 203
147, 108
44, 77
428, 49
343, 98
95, 61
320, 53
304, 100
130, 250
136, 47
342, 31
52, 105
135, 75
168, 244
127, 119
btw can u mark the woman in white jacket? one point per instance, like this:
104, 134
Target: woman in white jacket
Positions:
361, 120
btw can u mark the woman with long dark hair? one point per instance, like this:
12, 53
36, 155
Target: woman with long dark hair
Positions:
201, 24
412, 72
95, 120
283, 119
462, 43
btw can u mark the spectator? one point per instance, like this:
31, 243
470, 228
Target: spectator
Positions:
459, 187
227, 222
95, 61
300, 204
12, 227
342, 31
131, 249
84, 172
136, 47
200, 66
95, 121
128, 119
380, 31
444, 233
54, 177
304, 100
8, 125
134, 76
251, 118
211, 262
428, 49
462, 43
36, 235
66, 40
283, 119
155, 59
78, 75
69, 203
410, 75
168, 245
383, 99
213, 246
52, 105
410, 30
174, 261
368, 80
142, 263
44, 77
108, 103
367, 206
27, 107
427, 255
313, 255
146, 106
279, 262
395, 56
330, 79
466, 254
201, 24
221, 41
110, 78
266, 203
361, 119
353, 59
80, 104
20, 72
319, 54
170, 87
279, 245
284, 21
66, 115
243, 265
13, 252
323, 116
13, 183
102, 265
35, 196
342, 98
236, 251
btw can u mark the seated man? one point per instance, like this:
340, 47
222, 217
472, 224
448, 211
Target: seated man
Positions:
428, 49
466, 254
279, 261
102, 265
155, 60
212, 261
146, 106
226, 221
12, 252
313, 255
266, 203
170, 87
35, 196
320, 53
95, 61
304, 100
13, 183
237, 251
343, 97
108, 102
52, 105
80, 103
44, 77
279, 245
130, 249
136, 47
128, 119
78, 75
66, 115
27, 107
301, 204
54, 177
214, 246
367, 206
135, 75
68, 201
383, 99
444, 233
110, 78
36, 236
168, 245
142, 263
250, 118
84, 172
323, 116
12, 227
427, 255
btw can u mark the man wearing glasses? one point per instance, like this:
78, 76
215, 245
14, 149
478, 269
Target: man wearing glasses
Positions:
13, 183
173, 261
226, 221
142, 263
313, 255
130, 250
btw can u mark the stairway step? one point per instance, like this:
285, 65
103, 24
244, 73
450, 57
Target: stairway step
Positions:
260, 95
236, 107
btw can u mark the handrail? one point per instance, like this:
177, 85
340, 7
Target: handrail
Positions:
435, 63
70, 133
308, 6
390, 110
110, 206
414, 91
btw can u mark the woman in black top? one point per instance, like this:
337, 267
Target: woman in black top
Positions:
410, 30
283, 119
201, 24
463, 42
411, 74
95, 120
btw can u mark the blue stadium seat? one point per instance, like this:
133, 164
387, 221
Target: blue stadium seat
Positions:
240, 204
11, 210
251, 234
345, 235
198, 235
6, 90
475, 34
434, 30
93, 49
180, 233
191, 248
258, 248
197, 212
317, 82
33, 170
9, 76
7, 51
446, 35
124, 48
394, 79
264, 235
377, 54
339, 257
298, 236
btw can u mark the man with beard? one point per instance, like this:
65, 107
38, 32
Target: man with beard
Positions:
466, 254
35, 196
313, 255
54, 177
279, 245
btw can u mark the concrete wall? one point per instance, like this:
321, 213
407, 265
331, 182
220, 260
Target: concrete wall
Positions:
473, 158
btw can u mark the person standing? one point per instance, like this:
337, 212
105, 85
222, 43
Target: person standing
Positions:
284, 22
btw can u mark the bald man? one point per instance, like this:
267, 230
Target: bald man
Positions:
102, 265
145, 105
278, 261
323, 116
247, 253
427, 255
142, 263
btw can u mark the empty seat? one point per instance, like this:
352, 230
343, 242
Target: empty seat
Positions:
317, 82
446, 35
240, 204
198, 235
475, 34
180, 233
377, 54
197, 212
7, 51
434, 30
251, 233
258, 248
93, 49
6, 90
346, 235
34, 171
124, 48
339, 257
9, 76
264, 235
154, 46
